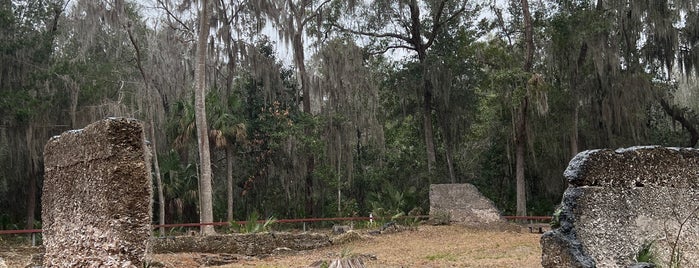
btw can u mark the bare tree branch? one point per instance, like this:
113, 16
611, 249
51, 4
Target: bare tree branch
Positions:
171, 15
315, 13
438, 24
415, 29
387, 48
370, 34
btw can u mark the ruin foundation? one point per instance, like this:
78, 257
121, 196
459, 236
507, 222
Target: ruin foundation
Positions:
618, 201
96, 206
464, 203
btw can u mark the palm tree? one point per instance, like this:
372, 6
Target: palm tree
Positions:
180, 189
227, 131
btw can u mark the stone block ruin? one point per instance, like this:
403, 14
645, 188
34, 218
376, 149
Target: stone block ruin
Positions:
463, 202
96, 206
620, 201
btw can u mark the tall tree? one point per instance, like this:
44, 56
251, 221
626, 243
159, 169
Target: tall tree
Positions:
522, 109
350, 109
402, 25
228, 131
205, 179
291, 18
619, 64
456, 74
27, 32
149, 92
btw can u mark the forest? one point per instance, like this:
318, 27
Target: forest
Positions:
326, 108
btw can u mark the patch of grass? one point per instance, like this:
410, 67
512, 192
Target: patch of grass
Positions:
442, 256
555, 220
645, 253
347, 252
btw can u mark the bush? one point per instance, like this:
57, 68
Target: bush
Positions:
252, 224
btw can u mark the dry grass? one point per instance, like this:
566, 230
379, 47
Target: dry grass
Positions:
17, 255
430, 246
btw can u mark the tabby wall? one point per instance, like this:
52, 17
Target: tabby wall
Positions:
96, 205
463, 202
620, 200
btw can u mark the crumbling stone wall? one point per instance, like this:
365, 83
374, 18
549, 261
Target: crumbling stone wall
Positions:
619, 200
96, 206
247, 244
464, 202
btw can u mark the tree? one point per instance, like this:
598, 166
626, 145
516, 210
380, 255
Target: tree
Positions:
521, 125
291, 17
129, 25
401, 24
456, 74
205, 180
350, 109
227, 131
27, 35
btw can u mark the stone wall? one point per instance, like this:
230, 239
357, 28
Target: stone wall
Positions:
619, 200
247, 244
96, 206
464, 202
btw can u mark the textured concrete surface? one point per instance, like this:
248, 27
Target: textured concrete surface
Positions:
96, 206
464, 202
246, 244
619, 200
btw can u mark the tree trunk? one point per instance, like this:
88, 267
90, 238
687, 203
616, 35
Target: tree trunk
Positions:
229, 179
206, 206
575, 81
448, 144
158, 179
299, 60
310, 166
154, 148
427, 116
528, 36
339, 187
521, 125
31, 199
31, 177
429, 132
520, 151
450, 162
74, 95
679, 116
574, 133
421, 49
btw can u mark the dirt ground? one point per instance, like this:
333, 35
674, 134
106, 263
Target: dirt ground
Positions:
15, 255
429, 246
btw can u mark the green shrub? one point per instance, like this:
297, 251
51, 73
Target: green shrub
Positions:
252, 224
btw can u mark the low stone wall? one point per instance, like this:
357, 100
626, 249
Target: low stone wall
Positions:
96, 205
246, 244
620, 200
464, 203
